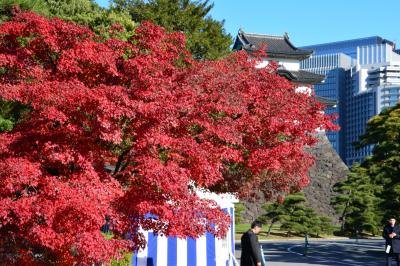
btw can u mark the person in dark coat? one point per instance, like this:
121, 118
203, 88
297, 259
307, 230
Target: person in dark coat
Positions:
391, 234
251, 251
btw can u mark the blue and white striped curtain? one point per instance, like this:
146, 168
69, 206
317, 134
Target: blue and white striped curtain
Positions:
204, 251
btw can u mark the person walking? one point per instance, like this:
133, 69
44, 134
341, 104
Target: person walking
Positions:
251, 251
391, 234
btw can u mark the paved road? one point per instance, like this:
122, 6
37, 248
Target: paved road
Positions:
324, 253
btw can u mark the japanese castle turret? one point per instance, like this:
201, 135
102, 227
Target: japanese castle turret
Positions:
280, 50
328, 167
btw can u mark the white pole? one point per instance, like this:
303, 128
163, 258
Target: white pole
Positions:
235, 262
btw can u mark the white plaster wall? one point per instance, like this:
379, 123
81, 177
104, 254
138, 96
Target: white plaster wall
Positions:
288, 64
303, 89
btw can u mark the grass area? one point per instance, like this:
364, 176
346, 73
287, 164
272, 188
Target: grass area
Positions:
244, 227
125, 260
276, 233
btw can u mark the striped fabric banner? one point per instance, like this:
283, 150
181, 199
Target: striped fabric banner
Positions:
204, 251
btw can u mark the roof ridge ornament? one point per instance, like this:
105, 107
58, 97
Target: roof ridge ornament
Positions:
276, 46
286, 35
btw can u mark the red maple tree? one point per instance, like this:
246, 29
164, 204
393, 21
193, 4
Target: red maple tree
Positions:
128, 129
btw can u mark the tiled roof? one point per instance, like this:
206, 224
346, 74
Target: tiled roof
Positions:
276, 46
326, 101
305, 77
301, 76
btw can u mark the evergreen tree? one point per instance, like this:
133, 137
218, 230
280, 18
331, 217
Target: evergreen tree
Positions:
371, 192
239, 208
356, 202
299, 218
206, 37
383, 132
296, 217
326, 225
274, 214
89, 13
83, 12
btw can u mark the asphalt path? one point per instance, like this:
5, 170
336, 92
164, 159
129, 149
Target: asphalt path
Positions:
363, 252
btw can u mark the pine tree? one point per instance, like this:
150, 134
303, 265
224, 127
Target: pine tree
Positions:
90, 14
371, 192
357, 203
296, 217
274, 213
383, 132
84, 12
299, 218
326, 225
239, 208
206, 37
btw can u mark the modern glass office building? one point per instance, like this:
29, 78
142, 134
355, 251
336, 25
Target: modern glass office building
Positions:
334, 67
363, 76
348, 47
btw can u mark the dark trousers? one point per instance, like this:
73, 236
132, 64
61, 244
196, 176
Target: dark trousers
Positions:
389, 258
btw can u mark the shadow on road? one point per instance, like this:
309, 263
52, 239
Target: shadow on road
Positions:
338, 253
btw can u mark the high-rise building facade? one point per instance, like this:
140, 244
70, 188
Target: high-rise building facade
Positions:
363, 76
334, 67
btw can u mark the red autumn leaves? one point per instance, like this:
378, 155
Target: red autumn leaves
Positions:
166, 123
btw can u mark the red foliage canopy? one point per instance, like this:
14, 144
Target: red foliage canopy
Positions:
169, 126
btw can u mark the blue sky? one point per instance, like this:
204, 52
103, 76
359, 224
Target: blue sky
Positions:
310, 21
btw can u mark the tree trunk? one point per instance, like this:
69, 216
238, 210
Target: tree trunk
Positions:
270, 228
